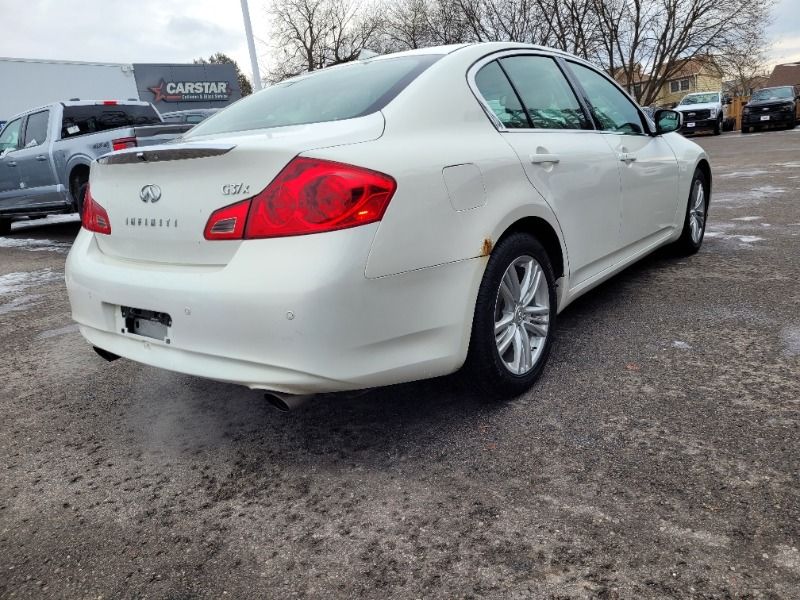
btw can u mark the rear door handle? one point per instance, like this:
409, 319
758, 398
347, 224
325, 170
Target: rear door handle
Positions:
12, 163
538, 159
41, 157
627, 157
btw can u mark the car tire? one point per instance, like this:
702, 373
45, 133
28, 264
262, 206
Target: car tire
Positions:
718, 127
516, 307
745, 129
5, 226
694, 222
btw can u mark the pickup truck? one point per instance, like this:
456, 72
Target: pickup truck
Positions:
771, 108
45, 153
702, 111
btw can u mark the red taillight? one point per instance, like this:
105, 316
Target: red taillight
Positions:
308, 196
311, 196
227, 223
110, 102
94, 217
122, 143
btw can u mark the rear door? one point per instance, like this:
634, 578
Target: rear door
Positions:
565, 159
10, 141
648, 165
36, 170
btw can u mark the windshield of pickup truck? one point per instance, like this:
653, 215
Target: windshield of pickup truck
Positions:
92, 118
700, 99
780, 93
333, 94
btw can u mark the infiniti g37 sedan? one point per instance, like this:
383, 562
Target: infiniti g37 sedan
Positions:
388, 220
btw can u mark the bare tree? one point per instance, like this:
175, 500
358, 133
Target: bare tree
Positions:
660, 36
313, 34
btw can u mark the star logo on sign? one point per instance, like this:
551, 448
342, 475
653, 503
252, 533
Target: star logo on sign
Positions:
160, 96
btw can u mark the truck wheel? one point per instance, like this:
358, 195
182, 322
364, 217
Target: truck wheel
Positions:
79, 196
745, 129
5, 226
718, 127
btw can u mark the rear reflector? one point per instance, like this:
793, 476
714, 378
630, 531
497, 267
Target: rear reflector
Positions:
122, 143
227, 223
94, 217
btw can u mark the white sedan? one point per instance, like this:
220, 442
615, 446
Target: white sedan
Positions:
387, 220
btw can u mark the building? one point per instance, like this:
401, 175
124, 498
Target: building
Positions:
30, 83
699, 74
786, 74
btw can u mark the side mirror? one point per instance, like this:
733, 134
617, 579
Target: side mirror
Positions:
667, 121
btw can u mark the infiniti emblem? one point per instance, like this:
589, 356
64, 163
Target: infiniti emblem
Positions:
150, 193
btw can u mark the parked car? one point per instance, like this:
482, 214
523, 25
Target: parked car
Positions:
188, 116
386, 220
45, 153
770, 108
702, 111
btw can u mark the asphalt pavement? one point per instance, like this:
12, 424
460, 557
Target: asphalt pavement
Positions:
658, 456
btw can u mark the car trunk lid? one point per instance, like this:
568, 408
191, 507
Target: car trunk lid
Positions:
159, 198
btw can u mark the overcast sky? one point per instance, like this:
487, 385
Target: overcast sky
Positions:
129, 31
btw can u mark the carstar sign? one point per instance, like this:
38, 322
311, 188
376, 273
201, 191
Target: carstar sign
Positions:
191, 91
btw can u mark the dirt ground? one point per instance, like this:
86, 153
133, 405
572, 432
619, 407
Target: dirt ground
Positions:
658, 457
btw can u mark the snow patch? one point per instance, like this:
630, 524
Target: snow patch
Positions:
681, 345
57, 332
747, 218
15, 283
751, 173
35, 245
48, 220
790, 336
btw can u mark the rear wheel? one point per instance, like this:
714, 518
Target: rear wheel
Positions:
5, 226
694, 224
515, 315
80, 195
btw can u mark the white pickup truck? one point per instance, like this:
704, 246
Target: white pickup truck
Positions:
703, 111
45, 153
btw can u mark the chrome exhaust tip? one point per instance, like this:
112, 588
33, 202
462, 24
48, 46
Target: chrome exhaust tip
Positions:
286, 402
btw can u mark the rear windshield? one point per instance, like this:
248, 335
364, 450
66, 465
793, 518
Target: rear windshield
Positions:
333, 94
781, 93
80, 120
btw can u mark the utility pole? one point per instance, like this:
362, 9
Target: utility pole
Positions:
248, 31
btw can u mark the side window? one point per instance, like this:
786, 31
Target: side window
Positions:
36, 129
612, 109
9, 140
500, 96
545, 93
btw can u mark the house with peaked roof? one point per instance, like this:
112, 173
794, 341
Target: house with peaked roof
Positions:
699, 74
785, 74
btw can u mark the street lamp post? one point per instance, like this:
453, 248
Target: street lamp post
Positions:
248, 31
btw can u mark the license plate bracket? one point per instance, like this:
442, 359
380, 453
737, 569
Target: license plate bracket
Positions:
765, 117
147, 323
690, 124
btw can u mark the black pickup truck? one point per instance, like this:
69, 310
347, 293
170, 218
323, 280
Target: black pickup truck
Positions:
771, 108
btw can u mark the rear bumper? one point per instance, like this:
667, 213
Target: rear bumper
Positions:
294, 315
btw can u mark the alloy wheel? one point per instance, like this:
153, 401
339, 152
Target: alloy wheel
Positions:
522, 315
697, 213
